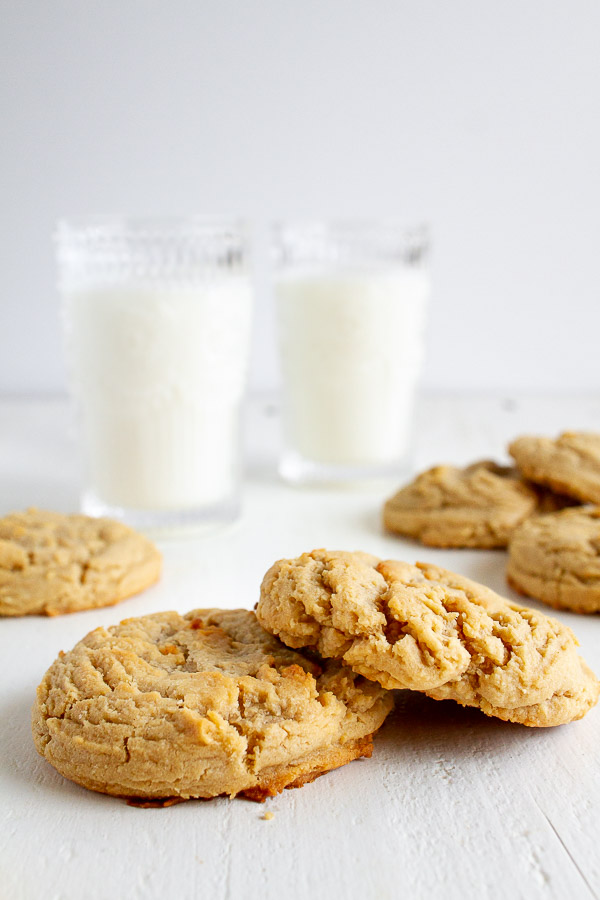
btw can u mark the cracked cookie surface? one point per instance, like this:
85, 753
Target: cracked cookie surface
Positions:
52, 563
556, 559
570, 464
197, 706
427, 629
479, 506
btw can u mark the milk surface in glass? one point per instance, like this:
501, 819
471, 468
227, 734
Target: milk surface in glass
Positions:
351, 337
158, 368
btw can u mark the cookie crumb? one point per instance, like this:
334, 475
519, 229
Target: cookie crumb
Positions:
268, 816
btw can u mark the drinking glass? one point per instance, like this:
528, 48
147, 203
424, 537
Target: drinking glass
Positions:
351, 302
157, 316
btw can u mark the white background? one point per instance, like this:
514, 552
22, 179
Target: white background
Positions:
479, 117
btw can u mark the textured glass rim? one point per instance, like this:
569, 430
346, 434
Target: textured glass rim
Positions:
367, 238
138, 227
106, 250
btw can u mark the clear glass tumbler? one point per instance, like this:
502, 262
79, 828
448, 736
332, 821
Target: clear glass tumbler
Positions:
351, 303
157, 318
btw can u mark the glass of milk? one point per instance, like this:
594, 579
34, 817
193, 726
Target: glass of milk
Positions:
157, 317
351, 304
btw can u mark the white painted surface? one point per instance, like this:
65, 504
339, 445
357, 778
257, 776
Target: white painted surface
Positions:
479, 117
451, 805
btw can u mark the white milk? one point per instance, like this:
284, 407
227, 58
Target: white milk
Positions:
352, 344
159, 375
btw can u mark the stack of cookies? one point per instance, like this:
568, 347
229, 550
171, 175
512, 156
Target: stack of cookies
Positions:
543, 510
234, 702
167, 707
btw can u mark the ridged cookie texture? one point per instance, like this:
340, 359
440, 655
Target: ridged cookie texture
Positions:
52, 563
479, 506
197, 706
570, 464
427, 629
556, 559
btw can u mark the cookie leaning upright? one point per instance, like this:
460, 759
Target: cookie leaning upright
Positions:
556, 559
479, 506
52, 563
423, 628
570, 464
200, 705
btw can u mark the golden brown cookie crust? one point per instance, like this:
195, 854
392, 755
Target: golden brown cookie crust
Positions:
197, 706
570, 464
52, 563
479, 506
427, 629
556, 559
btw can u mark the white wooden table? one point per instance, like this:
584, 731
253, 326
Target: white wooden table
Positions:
451, 805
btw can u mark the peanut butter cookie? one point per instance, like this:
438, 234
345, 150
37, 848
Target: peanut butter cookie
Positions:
570, 464
556, 559
52, 563
200, 705
479, 506
423, 628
